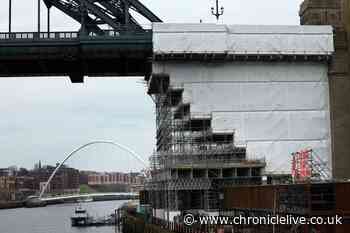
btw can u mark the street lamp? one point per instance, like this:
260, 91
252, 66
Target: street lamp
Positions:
216, 11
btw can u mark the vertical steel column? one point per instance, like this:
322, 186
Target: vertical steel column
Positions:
48, 20
83, 14
39, 16
126, 12
10, 15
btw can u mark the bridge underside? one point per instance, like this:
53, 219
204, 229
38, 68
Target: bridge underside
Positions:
122, 50
76, 70
122, 56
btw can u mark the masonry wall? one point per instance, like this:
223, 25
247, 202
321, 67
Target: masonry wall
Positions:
275, 108
336, 13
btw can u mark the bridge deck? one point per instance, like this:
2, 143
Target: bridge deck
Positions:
91, 195
116, 53
22, 37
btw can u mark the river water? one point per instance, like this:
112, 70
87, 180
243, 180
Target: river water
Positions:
54, 219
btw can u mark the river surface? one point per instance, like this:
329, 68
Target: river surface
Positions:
55, 219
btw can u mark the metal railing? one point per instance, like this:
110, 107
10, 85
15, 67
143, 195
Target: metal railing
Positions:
38, 36
69, 35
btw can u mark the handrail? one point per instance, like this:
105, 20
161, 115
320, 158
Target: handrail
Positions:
67, 35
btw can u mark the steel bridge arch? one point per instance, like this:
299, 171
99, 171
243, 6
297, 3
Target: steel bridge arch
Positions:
120, 146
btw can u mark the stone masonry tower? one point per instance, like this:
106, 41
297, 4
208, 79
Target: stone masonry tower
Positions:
337, 14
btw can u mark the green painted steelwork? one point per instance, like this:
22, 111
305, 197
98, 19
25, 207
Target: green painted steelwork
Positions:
115, 53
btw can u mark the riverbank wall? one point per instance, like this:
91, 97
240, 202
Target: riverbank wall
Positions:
140, 223
132, 224
11, 205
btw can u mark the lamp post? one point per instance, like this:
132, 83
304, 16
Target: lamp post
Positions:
216, 11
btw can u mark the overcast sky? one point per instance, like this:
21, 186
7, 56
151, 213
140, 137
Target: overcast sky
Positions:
46, 118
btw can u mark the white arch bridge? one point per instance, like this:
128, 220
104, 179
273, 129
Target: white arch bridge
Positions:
35, 201
41, 200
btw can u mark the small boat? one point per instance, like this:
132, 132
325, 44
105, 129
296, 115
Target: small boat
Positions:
81, 217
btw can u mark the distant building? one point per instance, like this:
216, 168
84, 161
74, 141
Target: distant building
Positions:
84, 177
115, 178
7, 188
4, 172
10, 171
66, 179
37, 165
25, 186
18, 184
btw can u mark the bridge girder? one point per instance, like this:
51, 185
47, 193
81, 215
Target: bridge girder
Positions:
91, 14
72, 10
124, 49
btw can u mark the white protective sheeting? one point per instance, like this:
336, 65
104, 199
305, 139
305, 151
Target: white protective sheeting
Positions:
199, 72
257, 96
274, 125
284, 112
242, 39
275, 108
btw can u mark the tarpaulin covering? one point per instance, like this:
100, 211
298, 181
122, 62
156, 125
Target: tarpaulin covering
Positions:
275, 108
242, 39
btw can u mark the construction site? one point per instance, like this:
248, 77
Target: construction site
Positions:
192, 162
251, 120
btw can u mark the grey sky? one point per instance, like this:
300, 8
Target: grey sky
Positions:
46, 118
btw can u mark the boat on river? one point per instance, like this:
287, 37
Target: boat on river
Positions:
81, 218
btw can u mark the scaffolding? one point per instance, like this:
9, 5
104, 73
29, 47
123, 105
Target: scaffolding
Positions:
191, 160
308, 166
